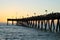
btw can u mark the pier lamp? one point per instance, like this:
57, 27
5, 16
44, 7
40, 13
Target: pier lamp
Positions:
27, 15
34, 14
16, 15
46, 11
22, 16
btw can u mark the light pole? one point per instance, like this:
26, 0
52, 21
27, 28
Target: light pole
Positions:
34, 14
22, 16
27, 15
16, 15
46, 11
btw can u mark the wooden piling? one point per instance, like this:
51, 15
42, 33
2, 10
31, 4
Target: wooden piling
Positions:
41, 24
49, 27
31, 23
38, 24
12, 23
57, 25
52, 25
45, 22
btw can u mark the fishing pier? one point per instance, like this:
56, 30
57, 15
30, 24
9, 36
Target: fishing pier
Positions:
43, 22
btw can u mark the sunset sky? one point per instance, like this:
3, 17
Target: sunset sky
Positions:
9, 8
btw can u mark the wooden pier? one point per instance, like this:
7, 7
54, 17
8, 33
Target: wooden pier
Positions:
43, 22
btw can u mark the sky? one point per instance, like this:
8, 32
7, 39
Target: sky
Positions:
19, 8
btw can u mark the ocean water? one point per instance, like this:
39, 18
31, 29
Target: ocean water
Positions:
25, 33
